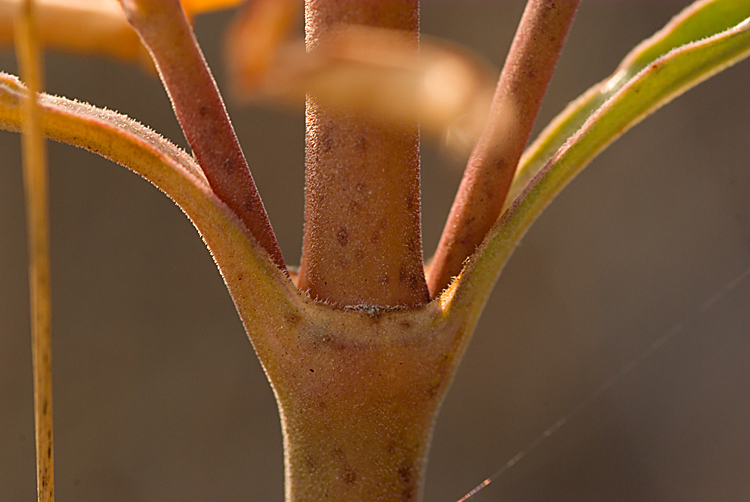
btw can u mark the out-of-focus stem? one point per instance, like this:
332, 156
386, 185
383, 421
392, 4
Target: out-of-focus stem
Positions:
35, 180
164, 29
523, 83
362, 240
254, 38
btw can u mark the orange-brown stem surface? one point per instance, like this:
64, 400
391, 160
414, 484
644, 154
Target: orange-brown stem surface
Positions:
523, 83
362, 219
164, 29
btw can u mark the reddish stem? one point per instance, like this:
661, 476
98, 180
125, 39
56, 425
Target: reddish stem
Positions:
165, 31
523, 83
362, 221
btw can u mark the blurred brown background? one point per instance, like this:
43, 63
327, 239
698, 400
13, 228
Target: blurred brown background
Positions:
158, 395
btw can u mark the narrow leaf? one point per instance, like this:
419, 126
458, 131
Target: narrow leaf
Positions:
701, 20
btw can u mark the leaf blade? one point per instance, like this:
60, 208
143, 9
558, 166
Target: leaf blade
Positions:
701, 20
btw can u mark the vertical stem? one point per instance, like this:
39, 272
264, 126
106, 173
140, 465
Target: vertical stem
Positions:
523, 83
35, 180
362, 240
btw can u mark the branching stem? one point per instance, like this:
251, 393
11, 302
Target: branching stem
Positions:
362, 241
200, 110
523, 83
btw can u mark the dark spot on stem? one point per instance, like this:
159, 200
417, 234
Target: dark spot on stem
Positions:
406, 474
412, 246
349, 476
501, 164
411, 278
465, 240
250, 205
342, 236
292, 319
326, 141
361, 144
310, 463
228, 165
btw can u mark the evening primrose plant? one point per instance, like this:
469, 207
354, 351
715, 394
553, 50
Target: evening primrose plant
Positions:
361, 343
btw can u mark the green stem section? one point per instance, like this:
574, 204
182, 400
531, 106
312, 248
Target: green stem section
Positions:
358, 393
37, 209
362, 240
361, 430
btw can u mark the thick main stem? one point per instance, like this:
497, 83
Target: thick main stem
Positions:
362, 219
359, 438
358, 394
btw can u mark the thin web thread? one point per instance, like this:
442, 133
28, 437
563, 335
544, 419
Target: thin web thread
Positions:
612, 381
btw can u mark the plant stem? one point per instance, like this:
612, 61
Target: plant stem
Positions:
358, 394
362, 241
162, 26
37, 209
520, 90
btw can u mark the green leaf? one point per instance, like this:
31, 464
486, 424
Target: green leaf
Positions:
637, 89
701, 20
